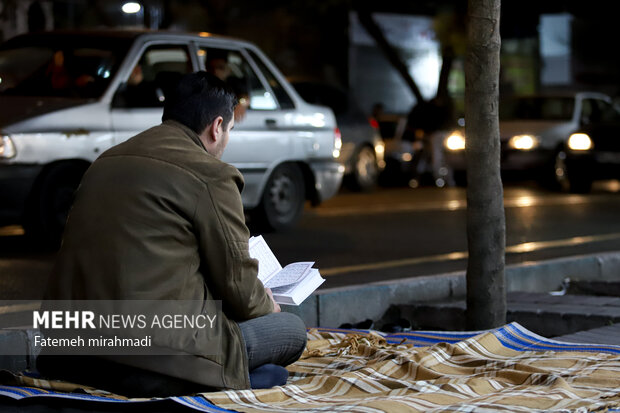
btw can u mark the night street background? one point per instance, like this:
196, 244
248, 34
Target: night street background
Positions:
394, 233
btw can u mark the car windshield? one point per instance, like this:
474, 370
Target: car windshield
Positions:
59, 65
537, 108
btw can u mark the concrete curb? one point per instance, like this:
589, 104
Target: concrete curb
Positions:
332, 307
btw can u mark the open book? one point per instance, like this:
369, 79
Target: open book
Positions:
289, 285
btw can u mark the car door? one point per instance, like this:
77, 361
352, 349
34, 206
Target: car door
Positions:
138, 102
260, 139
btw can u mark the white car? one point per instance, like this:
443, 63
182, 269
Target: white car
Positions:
536, 132
68, 96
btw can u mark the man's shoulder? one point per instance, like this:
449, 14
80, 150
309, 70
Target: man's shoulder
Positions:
167, 146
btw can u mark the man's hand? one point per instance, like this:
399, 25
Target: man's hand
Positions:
276, 306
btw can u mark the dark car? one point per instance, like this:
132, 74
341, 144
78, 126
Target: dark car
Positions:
362, 148
595, 152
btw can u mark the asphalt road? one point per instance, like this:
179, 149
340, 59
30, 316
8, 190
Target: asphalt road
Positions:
394, 233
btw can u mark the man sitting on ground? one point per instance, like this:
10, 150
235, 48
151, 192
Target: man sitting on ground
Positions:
159, 217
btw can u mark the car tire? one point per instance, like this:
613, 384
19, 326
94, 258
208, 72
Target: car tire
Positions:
365, 171
282, 201
50, 201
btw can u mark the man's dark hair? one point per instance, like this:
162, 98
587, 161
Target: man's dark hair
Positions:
198, 99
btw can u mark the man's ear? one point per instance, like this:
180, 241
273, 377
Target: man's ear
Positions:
217, 128
211, 134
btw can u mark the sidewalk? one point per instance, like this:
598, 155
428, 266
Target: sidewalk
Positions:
551, 316
437, 303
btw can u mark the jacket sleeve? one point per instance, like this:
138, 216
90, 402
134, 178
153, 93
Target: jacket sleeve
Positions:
230, 273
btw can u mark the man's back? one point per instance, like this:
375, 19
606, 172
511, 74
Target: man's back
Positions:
158, 218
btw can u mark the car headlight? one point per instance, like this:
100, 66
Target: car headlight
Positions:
455, 142
579, 142
7, 148
523, 142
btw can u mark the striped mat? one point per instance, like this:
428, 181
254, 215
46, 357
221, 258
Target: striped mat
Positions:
509, 368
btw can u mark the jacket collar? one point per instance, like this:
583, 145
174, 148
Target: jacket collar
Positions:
186, 131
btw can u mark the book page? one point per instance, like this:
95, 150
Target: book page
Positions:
268, 264
295, 294
291, 274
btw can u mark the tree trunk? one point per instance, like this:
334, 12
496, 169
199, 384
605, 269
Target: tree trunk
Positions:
486, 225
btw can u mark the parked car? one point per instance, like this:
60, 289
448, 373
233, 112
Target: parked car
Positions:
68, 96
536, 133
593, 152
362, 149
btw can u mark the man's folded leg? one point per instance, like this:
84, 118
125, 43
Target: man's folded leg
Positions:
272, 342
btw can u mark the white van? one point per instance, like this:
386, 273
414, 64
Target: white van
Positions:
65, 97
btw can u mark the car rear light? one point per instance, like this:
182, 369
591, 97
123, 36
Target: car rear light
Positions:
373, 122
337, 143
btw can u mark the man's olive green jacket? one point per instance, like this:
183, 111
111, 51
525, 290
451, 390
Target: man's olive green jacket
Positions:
159, 218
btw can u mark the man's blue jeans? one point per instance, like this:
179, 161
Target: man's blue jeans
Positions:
277, 338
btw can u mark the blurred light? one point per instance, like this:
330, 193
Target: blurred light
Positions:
204, 34
523, 142
525, 201
579, 142
613, 186
7, 148
525, 247
407, 157
337, 143
455, 142
380, 149
201, 52
454, 205
373, 122
337, 138
131, 7
461, 122
11, 231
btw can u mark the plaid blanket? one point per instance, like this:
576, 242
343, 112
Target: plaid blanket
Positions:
508, 368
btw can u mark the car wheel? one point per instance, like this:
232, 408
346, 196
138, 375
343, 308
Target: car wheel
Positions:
50, 202
365, 171
568, 180
283, 199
